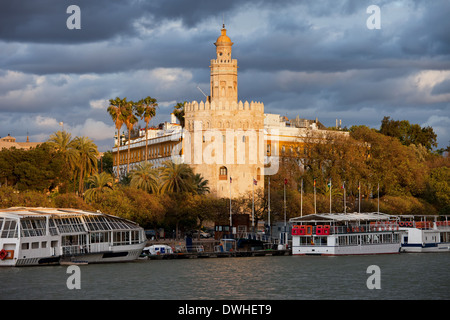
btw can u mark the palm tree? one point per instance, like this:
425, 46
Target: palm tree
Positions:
178, 112
62, 141
87, 163
146, 109
115, 110
145, 177
98, 184
130, 120
201, 184
176, 178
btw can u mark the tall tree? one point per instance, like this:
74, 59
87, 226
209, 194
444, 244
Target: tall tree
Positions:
201, 184
115, 110
176, 178
178, 112
145, 177
130, 120
62, 142
409, 133
98, 184
146, 110
87, 163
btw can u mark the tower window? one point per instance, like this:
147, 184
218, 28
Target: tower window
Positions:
223, 172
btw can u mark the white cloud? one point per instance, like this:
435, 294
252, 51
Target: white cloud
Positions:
94, 129
99, 104
46, 122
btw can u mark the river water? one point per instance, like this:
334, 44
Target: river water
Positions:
401, 276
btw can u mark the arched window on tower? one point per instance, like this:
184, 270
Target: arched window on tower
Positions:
223, 173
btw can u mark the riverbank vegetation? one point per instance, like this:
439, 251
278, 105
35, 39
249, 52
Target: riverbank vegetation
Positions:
409, 178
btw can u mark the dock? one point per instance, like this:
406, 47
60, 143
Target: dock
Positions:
232, 254
209, 249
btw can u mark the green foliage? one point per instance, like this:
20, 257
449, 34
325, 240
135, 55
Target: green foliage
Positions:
98, 184
408, 133
145, 177
178, 111
106, 163
40, 168
439, 188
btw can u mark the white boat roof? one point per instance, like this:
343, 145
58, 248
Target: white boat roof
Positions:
22, 212
36, 212
369, 216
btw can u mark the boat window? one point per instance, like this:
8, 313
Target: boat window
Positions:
69, 224
32, 227
9, 229
95, 223
52, 227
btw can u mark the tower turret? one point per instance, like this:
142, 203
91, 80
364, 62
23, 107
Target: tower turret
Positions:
224, 71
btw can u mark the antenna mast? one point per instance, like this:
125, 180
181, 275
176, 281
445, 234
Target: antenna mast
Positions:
202, 92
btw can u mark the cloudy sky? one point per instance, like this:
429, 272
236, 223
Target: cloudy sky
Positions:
312, 58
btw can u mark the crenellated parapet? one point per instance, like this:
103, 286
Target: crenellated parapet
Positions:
193, 106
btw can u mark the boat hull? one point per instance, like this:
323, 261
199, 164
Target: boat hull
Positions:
122, 255
391, 248
424, 248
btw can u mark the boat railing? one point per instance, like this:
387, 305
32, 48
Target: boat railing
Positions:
73, 250
195, 248
425, 225
325, 230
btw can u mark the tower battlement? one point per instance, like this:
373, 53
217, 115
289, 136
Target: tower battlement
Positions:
193, 106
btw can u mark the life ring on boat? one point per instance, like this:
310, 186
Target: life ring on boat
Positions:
9, 255
3, 254
401, 224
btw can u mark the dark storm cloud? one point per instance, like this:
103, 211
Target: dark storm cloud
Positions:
44, 21
307, 58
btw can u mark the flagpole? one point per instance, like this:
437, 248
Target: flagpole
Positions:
231, 221
285, 229
301, 199
345, 205
378, 188
315, 207
330, 194
270, 229
359, 197
253, 205
285, 205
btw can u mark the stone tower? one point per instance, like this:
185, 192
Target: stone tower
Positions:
225, 137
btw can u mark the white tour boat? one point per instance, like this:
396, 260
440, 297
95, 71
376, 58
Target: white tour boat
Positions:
425, 233
41, 236
345, 234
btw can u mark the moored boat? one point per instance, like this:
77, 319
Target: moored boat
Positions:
424, 233
345, 234
42, 236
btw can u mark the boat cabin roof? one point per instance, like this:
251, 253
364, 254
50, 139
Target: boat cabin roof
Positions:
337, 217
22, 213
